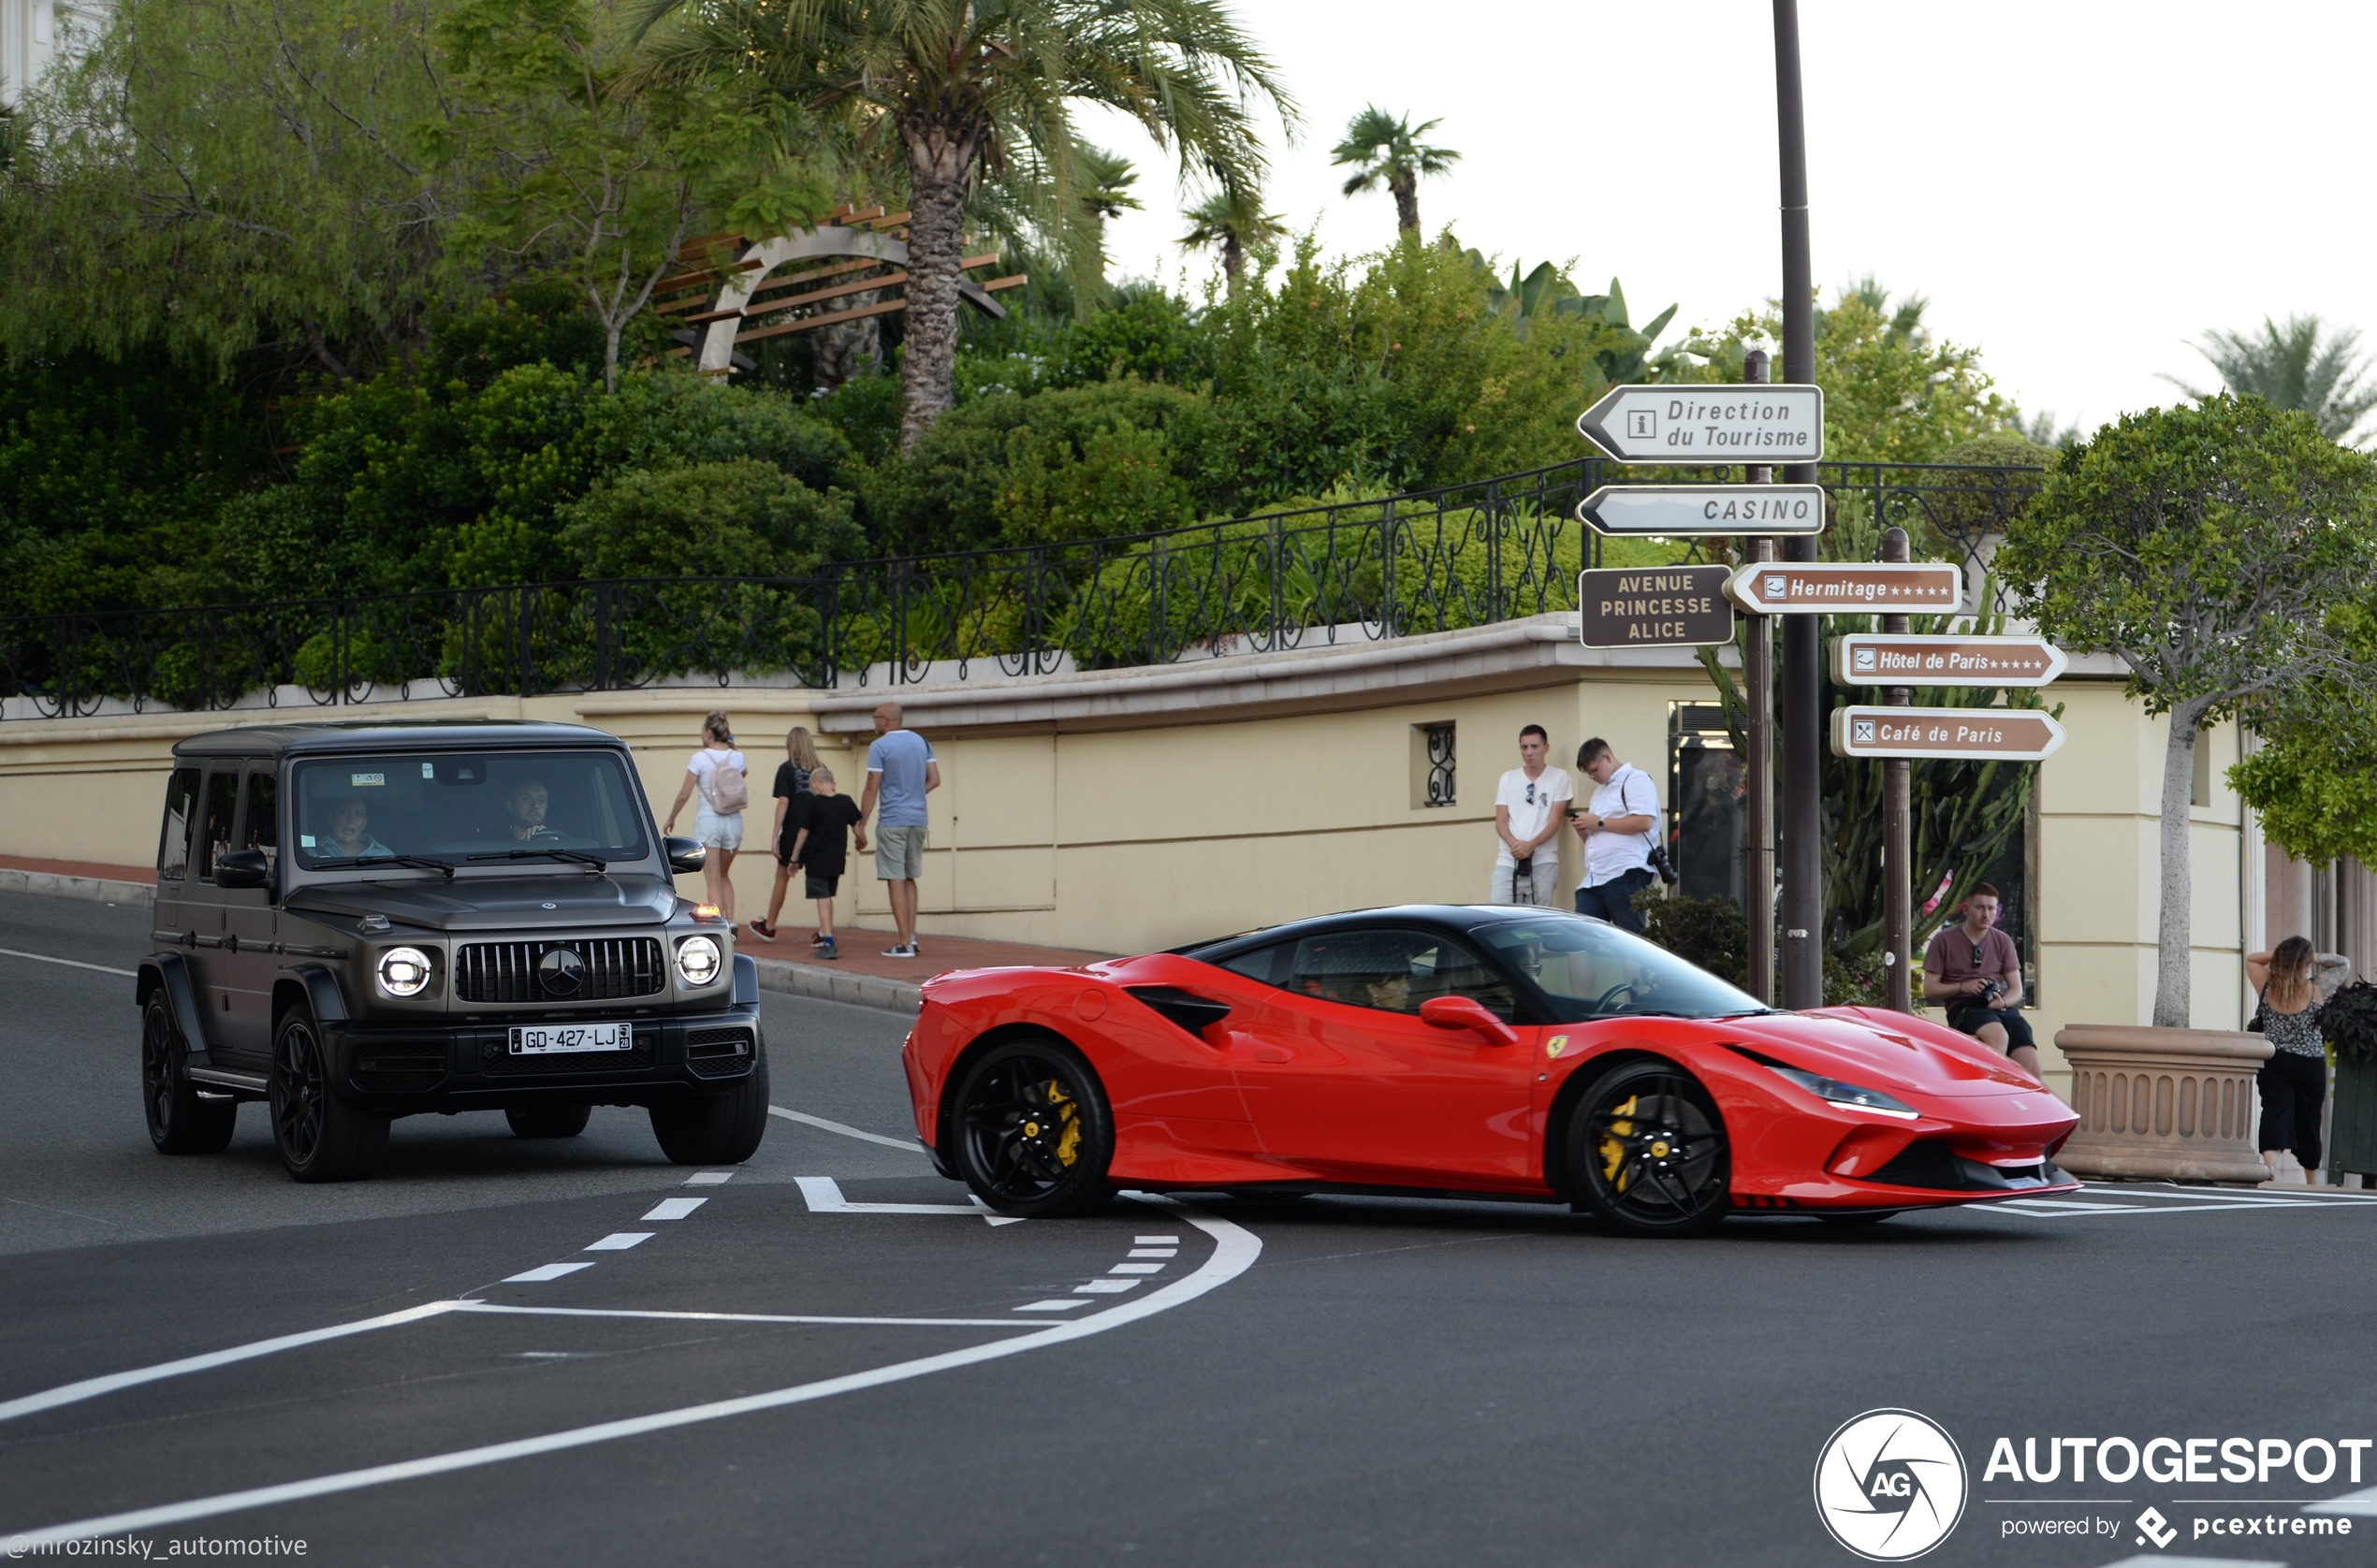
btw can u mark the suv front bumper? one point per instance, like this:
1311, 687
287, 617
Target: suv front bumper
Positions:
406, 1069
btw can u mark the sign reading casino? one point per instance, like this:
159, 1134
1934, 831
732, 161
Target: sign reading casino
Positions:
1654, 606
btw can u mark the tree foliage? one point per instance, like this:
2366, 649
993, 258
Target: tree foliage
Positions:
1386, 150
2300, 365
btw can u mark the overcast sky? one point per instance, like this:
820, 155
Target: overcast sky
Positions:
2081, 189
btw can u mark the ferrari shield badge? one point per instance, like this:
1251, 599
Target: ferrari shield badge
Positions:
1555, 1045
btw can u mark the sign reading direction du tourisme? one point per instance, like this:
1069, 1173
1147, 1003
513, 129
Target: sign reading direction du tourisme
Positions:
1744, 424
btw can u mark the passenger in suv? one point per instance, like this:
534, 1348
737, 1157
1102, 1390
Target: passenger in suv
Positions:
361, 921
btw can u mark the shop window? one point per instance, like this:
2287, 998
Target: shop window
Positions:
1708, 811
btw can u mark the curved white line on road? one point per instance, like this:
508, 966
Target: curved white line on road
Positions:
906, 1146
1236, 1250
69, 963
92, 1388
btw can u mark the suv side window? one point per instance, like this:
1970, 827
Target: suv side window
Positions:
260, 829
1396, 970
181, 805
221, 816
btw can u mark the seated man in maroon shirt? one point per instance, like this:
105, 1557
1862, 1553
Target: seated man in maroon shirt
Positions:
1972, 968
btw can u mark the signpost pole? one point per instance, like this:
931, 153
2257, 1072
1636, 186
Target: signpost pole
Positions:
1804, 731
1898, 893
1757, 733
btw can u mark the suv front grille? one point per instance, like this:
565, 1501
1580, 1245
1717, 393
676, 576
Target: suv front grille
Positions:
613, 966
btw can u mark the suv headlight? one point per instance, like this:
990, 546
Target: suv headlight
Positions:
1849, 1097
697, 960
405, 971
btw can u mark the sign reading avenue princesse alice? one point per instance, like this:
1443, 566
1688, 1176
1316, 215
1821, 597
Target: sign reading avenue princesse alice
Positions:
1745, 424
1790, 588
1882, 659
2008, 735
1654, 606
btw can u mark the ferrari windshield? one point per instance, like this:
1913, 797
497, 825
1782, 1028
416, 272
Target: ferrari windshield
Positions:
537, 810
1588, 969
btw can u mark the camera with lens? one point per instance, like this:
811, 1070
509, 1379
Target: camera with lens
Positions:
1990, 991
1662, 864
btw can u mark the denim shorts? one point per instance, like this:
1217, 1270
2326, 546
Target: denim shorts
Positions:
716, 832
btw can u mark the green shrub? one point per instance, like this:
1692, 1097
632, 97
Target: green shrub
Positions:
739, 519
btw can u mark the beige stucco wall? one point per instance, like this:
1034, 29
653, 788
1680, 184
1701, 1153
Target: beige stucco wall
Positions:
1127, 810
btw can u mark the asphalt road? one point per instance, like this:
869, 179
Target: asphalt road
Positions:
772, 1375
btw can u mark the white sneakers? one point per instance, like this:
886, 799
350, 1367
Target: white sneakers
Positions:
906, 950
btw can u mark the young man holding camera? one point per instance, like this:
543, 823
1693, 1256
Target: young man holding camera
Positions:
1972, 968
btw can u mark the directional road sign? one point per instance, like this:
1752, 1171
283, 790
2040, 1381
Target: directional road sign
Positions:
1681, 510
1654, 608
1789, 587
1747, 424
1871, 658
2005, 734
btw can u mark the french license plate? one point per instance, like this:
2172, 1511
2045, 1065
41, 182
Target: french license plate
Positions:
548, 1039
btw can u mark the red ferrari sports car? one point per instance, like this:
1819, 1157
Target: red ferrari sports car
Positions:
1493, 1052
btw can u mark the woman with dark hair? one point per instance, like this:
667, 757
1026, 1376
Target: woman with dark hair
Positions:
2293, 1082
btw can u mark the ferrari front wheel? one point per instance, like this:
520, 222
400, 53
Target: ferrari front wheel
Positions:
1034, 1132
1647, 1150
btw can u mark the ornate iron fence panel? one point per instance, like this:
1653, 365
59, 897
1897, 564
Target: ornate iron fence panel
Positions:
1394, 566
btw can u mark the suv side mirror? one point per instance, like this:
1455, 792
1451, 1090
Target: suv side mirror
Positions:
1466, 1012
686, 854
243, 868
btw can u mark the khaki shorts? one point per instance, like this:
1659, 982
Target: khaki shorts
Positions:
900, 852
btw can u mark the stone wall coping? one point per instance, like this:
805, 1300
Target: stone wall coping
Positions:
2144, 1043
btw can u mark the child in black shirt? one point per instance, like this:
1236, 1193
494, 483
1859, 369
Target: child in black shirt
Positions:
816, 822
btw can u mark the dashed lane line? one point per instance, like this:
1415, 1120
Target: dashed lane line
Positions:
675, 1209
549, 1271
824, 1196
619, 1240
710, 1178
69, 963
1236, 1250
906, 1146
505, 1309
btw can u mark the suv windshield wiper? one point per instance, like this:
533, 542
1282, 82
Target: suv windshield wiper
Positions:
421, 861
591, 861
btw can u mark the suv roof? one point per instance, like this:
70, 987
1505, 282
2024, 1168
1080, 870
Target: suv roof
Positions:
426, 735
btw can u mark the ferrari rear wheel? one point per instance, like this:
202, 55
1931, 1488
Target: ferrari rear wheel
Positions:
1647, 1150
1034, 1133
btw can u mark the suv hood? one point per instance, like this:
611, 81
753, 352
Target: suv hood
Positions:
495, 903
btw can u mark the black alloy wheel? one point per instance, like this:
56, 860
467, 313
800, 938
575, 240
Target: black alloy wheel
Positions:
715, 1129
322, 1136
1034, 1133
179, 1122
549, 1121
1647, 1150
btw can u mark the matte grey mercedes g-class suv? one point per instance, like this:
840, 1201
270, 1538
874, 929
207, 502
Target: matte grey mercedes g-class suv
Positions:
357, 921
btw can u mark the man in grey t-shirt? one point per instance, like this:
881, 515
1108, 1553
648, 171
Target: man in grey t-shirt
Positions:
901, 770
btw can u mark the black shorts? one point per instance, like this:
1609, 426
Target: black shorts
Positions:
824, 884
1968, 1021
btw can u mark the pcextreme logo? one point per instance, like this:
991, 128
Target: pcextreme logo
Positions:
1890, 1484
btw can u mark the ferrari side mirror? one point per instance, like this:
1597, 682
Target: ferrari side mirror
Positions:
1466, 1012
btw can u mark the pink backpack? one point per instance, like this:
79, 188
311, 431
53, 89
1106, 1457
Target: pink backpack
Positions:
729, 792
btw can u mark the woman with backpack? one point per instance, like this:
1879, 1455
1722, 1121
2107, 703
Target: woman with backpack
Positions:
721, 776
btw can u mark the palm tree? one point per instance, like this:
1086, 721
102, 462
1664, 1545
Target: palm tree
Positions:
1101, 182
2291, 367
962, 83
1233, 218
1386, 150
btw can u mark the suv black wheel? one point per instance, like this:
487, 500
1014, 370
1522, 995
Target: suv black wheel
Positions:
549, 1121
179, 1122
1647, 1150
715, 1129
1033, 1131
322, 1136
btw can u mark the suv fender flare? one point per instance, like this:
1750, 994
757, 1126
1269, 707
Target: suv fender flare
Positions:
746, 980
312, 983
169, 972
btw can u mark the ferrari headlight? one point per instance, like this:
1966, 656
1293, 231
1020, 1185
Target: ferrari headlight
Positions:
697, 960
1849, 1097
403, 971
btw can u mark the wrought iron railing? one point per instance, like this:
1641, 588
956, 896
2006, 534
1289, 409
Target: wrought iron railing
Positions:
1465, 556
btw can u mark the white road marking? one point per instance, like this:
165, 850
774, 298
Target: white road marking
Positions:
2143, 1559
710, 1178
1136, 1268
1105, 1288
69, 963
674, 1209
824, 1196
1054, 1303
1236, 1250
2053, 1208
992, 1216
92, 1388
907, 1146
2288, 1194
2363, 1503
550, 1271
619, 1240
1154, 1241
1155, 1251
739, 1316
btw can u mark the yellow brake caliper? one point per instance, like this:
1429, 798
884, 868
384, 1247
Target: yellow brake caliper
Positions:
1613, 1146
1069, 1142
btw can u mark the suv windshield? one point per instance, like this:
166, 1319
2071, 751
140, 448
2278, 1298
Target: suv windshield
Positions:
453, 807
1588, 970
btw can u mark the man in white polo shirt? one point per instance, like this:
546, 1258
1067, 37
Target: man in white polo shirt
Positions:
1527, 806
1616, 827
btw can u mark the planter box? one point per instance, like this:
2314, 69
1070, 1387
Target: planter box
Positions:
2353, 1129
2163, 1104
